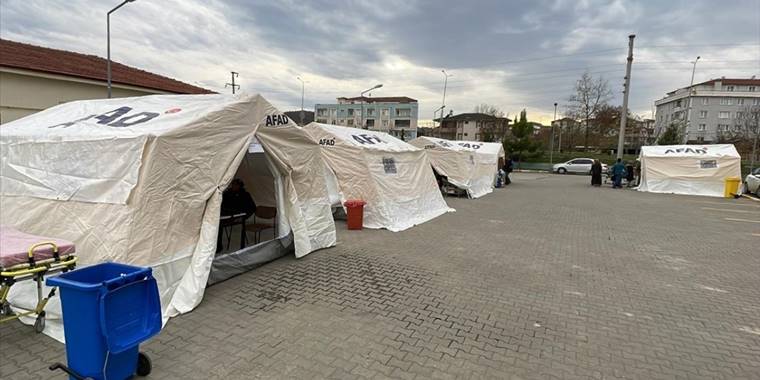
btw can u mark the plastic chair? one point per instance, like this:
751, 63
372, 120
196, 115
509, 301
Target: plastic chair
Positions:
263, 212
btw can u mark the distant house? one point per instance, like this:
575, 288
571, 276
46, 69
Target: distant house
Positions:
308, 117
473, 127
35, 78
396, 115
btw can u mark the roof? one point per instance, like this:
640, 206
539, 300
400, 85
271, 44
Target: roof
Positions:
733, 81
382, 99
308, 116
36, 58
473, 117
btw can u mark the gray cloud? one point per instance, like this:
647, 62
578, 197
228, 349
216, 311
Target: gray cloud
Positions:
513, 54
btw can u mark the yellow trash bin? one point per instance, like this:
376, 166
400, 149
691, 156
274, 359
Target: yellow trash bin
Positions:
731, 186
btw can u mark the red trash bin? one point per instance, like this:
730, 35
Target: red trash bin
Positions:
355, 213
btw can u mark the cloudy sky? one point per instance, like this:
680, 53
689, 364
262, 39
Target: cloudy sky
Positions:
512, 54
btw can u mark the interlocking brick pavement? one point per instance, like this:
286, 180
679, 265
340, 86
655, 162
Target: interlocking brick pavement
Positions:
547, 278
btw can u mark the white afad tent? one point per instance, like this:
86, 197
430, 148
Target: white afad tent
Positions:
470, 166
394, 178
140, 181
688, 169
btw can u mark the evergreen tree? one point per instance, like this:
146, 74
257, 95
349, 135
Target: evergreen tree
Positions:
521, 140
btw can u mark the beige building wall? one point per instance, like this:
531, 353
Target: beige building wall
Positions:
24, 92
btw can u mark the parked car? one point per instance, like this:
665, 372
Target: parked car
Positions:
576, 165
752, 182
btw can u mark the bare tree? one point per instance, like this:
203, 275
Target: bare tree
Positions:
489, 109
589, 98
747, 130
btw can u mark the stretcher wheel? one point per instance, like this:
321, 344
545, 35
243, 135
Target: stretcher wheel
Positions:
39, 323
144, 365
6, 309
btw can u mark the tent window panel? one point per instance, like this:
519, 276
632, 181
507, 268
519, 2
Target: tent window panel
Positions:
389, 165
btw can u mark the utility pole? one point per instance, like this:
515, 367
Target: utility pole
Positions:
688, 102
626, 92
551, 144
233, 85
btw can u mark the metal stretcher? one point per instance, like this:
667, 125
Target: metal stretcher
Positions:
26, 257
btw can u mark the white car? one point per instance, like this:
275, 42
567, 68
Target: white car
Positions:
577, 165
752, 182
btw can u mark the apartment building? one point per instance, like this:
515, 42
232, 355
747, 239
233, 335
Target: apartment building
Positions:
718, 106
396, 115
473, 127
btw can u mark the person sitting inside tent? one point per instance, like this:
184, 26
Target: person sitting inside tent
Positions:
236, 200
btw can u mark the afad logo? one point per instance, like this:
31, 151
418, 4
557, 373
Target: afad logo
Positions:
276, 120
702, 150
121, 117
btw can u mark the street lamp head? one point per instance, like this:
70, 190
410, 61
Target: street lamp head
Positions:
555, 104
378, 86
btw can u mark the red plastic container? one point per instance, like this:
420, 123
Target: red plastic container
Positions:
355, 213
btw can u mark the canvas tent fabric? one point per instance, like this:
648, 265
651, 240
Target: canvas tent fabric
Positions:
688, 169
306, 182
392, 176
134, 180
462, 165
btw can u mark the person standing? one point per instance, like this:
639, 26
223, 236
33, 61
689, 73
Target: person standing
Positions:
618, 172
596, 173
508, 165
629, 174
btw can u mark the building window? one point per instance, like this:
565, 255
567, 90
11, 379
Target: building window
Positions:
403, 112
322, 112
322, 121
739, 115
740, 101
370, 112
465, 134
402, 123
724, 115
705, 101
701, 138
384, 112
730, 88
370, 123
350, 112
350, 122
751, 89
755, 102
702, 127
725, 101
703, 114
385, 123
737, 128
678, 103
342, 122
722, 127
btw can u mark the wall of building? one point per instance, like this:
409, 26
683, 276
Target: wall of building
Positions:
23, 93
707, 103
393, 118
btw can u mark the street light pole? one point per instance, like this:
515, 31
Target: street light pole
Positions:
302, 94
626, 92
551, 144
108, 42
361, 96
443, 103
688, 110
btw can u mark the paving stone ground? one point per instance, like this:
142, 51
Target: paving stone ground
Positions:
546, 279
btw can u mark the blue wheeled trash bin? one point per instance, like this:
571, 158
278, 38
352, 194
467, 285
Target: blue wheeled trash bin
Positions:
108, 310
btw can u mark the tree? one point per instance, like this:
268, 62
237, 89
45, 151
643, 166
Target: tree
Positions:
672, 135
521, 139
590, 96
748, 131
489, 109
